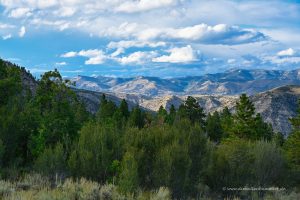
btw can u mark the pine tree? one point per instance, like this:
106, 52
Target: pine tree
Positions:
137, 118
292, 144
124, 109
213, 127
162, 114
192, 111
248, 124
172, 115
226, 119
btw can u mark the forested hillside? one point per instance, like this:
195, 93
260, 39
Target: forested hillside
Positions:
133, 154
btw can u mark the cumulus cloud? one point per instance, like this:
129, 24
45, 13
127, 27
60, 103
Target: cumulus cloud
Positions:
95, 56
22, 31
118, 52
138, 57
144, 5
134, 43
69, 54
65, 11
200, 33
287, 52
6, 37
6, 26
20, 12
178, 55
218, 34
60, 63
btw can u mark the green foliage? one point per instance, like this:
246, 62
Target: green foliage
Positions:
292, 144
248, 124
214, 127
98, 147
192, 111
137, 118
162, 114
269, 164
171, 116
52, 161
226, 121
129, 179
292, 149
180, 152
238, 163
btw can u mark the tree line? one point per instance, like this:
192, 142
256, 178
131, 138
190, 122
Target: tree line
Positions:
186, 150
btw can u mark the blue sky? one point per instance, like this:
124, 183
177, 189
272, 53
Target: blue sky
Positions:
163, 38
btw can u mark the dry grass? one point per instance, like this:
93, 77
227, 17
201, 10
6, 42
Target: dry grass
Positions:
36, 187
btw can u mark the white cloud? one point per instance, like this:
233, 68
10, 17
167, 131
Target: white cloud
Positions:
178, 55
134, 43
20, 12
138, 57
282, 60
61, 63
69, 54
218, 34
6, 37
287, 52
65, 12
231, 61
118, 52
144, 5
6, 26
95, 56
22, 31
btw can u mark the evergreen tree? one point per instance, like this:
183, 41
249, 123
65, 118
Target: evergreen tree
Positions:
213, 127
172, 115
124, 109
192, 111
292, 144
247, 124
107, 109
162, 114
226, 121
129, 178
137, 118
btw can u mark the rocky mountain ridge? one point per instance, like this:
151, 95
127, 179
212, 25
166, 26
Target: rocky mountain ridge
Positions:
232, 82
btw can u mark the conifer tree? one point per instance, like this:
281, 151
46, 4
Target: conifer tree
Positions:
192, 111
248, 124
213, 127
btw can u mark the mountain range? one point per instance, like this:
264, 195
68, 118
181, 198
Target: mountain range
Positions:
274, 92
232, 82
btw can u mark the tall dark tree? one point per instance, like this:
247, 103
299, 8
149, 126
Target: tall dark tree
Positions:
162, 114
137, 118
172, 115
192, 111
226, 121
292, 144
213, 127
248, 124
124, 109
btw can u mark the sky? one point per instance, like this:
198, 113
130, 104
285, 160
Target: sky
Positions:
163, 38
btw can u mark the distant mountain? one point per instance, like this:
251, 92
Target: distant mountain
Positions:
231, 82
